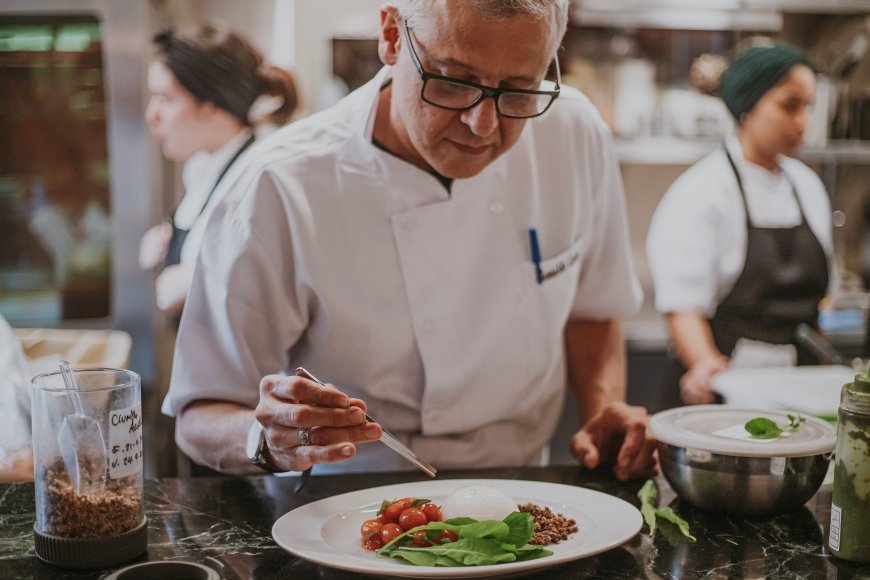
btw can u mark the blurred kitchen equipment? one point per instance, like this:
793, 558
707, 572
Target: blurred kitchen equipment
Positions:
850, 503
713, 464
849, 108
386, 437
79, 525
816, 343
821, 114
635, 98
812, 390
81, 442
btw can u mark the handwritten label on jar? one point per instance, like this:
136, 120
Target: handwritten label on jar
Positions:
125, 442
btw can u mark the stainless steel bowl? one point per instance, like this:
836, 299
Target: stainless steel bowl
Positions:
746, 486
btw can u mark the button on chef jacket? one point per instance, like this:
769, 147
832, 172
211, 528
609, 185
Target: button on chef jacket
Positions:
696, 245
329, 253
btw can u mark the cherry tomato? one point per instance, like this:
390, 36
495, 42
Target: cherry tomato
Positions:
411, 518
370, 528
420, 539
392, 513
432, 511
445, 536
373, 543
390, 532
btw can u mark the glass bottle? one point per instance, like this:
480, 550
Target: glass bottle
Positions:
850, 509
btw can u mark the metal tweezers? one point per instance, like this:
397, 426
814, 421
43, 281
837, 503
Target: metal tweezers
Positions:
387, 438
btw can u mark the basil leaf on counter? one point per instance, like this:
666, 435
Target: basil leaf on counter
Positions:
670, 515
649, 499
648, 496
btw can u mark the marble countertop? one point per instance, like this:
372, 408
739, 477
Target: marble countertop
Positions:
230, 518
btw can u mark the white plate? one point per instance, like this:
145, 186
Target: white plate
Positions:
327, 531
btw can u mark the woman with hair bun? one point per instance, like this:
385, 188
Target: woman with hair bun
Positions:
211, 93
740, 246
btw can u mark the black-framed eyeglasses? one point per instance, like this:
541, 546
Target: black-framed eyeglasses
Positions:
459, 95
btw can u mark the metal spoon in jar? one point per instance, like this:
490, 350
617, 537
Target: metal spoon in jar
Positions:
81, 443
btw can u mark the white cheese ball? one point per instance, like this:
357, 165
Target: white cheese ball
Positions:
481, 502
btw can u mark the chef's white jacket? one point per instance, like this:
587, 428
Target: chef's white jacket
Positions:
330, 253
696, 245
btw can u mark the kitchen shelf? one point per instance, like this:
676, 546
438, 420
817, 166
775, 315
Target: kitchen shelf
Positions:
841, 152
678, 18
811, 6
679, 151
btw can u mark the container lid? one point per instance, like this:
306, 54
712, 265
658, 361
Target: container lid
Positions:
720, 429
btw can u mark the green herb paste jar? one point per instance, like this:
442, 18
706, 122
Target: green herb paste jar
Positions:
850, 510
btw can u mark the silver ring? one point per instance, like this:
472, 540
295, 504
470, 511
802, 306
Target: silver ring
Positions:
303, 436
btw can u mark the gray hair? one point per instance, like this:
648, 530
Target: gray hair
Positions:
416, 11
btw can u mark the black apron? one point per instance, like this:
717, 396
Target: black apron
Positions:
173, 251
784, 277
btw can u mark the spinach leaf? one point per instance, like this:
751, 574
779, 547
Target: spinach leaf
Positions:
480, 542
441, 560
495, 529
648, 495
418, 558
649, 499
527, 552
762, 428
795, 422
460, 521
521, 527
668, 514
467, 552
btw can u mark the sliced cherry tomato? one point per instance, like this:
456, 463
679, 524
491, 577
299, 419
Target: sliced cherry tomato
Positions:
373, 543
391, 514
390, 532
411, 518
446, 535
420, 539
370, 528
432, 511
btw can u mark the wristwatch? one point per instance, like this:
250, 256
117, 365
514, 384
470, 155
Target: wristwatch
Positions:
256, 448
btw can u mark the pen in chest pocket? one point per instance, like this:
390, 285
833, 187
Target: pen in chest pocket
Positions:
536, 254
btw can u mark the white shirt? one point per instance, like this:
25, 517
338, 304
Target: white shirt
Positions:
696, 245
332, 254
199, 175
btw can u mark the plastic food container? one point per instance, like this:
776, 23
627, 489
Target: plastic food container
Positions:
88, 456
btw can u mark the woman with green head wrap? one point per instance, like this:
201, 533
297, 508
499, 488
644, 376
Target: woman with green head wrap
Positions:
740, 246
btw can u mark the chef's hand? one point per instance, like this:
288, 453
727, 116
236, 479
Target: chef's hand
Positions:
619, 434
695, 385
335, 421
153, 246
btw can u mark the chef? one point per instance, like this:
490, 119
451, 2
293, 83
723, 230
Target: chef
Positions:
206, 117
740, 246
443, 247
